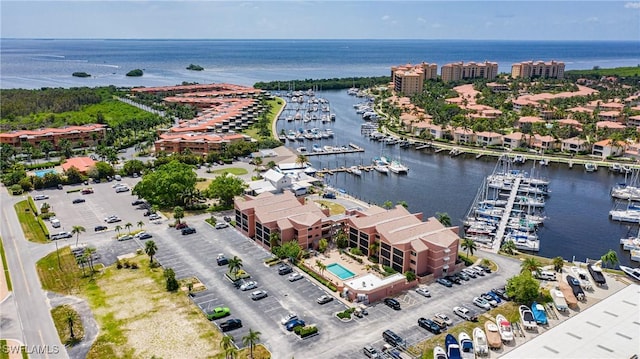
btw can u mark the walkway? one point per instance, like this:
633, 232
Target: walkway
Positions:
497, 241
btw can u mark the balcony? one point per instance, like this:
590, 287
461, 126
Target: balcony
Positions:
447, 250
446, 259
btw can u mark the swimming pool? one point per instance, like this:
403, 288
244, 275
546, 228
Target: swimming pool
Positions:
42, 173
342, 272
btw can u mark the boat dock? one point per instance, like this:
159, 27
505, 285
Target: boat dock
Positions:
502, 225
351, 149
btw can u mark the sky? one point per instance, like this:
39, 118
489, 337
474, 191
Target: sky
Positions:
360, 19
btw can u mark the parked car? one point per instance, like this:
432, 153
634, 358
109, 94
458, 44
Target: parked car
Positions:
463, 276
288, 317
471, 273
221, 225
144, 235
392, 303
440, 323
294, 277
188, 230
445, 318
230, 324
227, 218
87, 191
112, 219
501, 292
494, 296
222, 260
423, 292
465, 313
490, 299
453, 279
329, 195
219, 312
484, 268
79, 200
324, 299
137, 202
429, 325
182, 225
100, 228
154, 216
481, 303
258, 294
249, 285
479, 271
295, 323
284, 269
125, 237
370, 352
444, 282
40, 197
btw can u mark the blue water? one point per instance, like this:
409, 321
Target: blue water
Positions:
50, 63
42, 173
342, 272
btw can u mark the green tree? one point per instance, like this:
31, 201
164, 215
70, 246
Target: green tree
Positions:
410, 276
530, 265
150, 248
104, 170
302, 160
443, 217
171, 282
508, 247
118, 228
77, 230
321, 266
403, 204
558, 263
387, 205
235, 264
225, 188
178, 213
128, 226
274, 240
46, 147
71, 317
609, 258
341, 239
88, 253
227, 343
140, 224
469, 245
133, 166
250, 340
290, 249
161, 186
73, 175
523, 288
322, 245
373, 248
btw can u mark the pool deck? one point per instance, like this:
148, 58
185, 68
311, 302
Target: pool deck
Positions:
333, 256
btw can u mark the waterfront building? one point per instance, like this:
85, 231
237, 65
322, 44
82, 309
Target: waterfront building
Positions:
86, 135
463, 136
608, 148
272, 181
404, 241
409, 79
574, 145
196, 142
460, 71
487, 138
514, 140
533, 69
633, 151
544, 143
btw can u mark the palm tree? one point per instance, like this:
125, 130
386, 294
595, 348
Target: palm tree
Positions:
387, 204
231, 353
178, 213
611, 257
118, 228
235, 264
373, 248
227, 343
88, 252
46, 147
321, 266
469, 245
150, 249
274, 239
140, 224
508, 247
530, 265
301, 160
77, 230
443, 217
558, 263
251, 339
128, 226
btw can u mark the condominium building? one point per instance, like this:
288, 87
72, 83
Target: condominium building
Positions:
77, 135
198, 143
409, 79
532, 69
460, 71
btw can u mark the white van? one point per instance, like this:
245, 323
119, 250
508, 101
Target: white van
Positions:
117, 177
55, 223
545, 275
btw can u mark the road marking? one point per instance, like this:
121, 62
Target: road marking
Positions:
15, 245
43, 344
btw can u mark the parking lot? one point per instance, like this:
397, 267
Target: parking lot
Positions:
195, 255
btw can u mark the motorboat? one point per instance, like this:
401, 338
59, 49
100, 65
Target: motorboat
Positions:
355, 170
567, 292
631, 272
398, 168
526, 318
590, 167
439, 353
635, 255
494, 341
576, 287
596, 273
632, 216
539, 313
583, 277
381, 168
452, 347
504, 328
558, 300
466, 346
480, 341
302, 149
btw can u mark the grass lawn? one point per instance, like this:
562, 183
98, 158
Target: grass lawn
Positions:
60, 317
202, 185
425, 349
334, 208
30, 226
5, 266
64, 277
232, 170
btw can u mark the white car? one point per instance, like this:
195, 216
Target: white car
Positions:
294, 277
40, 197
249, 285
482, 303
465, 313
445, 318
221, 225
288, 317
423, 292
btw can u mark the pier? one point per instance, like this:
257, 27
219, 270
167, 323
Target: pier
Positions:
502, 225
352, 149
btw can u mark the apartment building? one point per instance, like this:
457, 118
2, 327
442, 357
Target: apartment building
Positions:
197, 142
533, 69
460, 71
409, 79
86, 134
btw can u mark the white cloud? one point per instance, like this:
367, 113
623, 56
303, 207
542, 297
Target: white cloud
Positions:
386, 17
592, 19
632, 5
422, 20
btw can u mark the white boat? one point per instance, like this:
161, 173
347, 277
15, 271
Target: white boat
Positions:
494, 340
317, 148
558, 300
480, 341
355, 170
631, 272
526, 318
504, 328
523, 243
382, 169
635, 255
398, 168
631, 243
466, 346
302, 149
583, 277
519, 159
590, 167
439, 353
529, 201
632, 216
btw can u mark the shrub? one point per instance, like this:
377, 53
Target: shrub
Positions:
306, 331
356, 251
317, 277
33, 206
118, 264
44, 227
47, 215
388, 270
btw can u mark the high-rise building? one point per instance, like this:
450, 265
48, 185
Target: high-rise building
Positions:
531, 69
459, 71
409, 79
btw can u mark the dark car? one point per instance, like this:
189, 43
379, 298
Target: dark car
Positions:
494, 296
227, 218
329, 195
284, 269
429, 325
444, 282
453, 279
222, 260
230, 324
484, 268
147, 213
137, 202
182, 225
100, 228
188, 230
79, 200
392, 303
501, 292
144, 236
295, 323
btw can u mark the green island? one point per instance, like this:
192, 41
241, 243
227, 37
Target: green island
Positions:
135, 73
80, 74
193, 67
